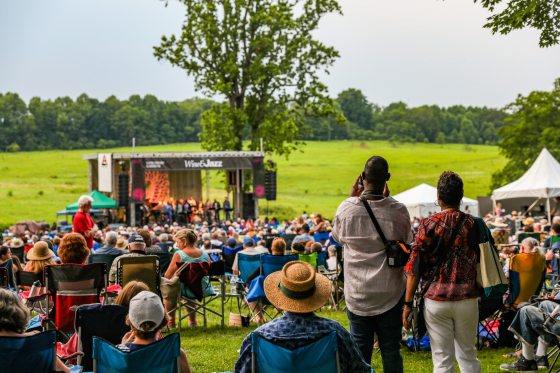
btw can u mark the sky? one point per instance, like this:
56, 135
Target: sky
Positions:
416, 51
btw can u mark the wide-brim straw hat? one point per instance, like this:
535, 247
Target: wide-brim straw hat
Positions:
40, 251
498, 223
16, 242
297, 288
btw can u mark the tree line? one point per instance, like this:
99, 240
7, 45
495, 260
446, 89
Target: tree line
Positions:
86, 122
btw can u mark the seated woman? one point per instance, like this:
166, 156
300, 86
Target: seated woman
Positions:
13, 320
185, 241
146, 317
6, 254
38, 257
73, 249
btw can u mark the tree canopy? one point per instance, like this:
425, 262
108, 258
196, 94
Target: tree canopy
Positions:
532, 125
262, 58
509, 15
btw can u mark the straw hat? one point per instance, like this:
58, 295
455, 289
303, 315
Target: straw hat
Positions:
16, 242
40, 251
297, 288
529, 221
498, 223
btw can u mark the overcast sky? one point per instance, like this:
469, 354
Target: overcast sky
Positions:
416, 51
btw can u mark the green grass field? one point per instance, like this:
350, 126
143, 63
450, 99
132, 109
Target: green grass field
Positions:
215, 349
34, 185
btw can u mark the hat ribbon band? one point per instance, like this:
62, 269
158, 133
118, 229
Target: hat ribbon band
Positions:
296, 294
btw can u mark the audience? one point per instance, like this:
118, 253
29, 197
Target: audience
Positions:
110, 243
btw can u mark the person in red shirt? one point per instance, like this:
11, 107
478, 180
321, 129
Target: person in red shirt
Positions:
83, 223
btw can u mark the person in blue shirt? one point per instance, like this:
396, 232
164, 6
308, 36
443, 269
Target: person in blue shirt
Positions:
110, 242
299, 290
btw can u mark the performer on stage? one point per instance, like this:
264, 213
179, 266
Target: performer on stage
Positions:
227, 208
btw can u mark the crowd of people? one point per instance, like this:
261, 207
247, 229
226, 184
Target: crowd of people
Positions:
379, 296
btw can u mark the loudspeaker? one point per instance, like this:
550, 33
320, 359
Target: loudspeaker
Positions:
258, 177
138, 192
270, 185
123, 181
248, 206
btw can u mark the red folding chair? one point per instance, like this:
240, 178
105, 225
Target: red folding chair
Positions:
71, 285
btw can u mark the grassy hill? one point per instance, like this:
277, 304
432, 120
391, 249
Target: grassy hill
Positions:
34, 185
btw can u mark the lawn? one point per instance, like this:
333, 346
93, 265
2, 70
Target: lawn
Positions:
34, 185
215, 349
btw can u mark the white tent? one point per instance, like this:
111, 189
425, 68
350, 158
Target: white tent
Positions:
542, 180
421, 201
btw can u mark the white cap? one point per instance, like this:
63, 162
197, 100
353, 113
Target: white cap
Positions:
146, 306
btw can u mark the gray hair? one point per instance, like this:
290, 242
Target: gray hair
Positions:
84, 200
530, 244
111, 238
164, 237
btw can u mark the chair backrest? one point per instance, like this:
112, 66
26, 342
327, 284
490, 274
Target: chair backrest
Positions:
192, 277
103, 258
164, 261
320, 356
247, 264
73, 285
322, 259
97, 320
28, 278
32, 354
9, 266
526, 275
309, 258
159, 357
19, 252
321, 236
3, 278
289, 238
229, 256
523, 235
272, 263
139, 268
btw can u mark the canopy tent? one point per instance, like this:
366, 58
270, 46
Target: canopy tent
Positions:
100, 201
421, 201
542, 180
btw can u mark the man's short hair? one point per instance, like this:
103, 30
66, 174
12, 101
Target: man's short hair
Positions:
450, 188
376, 170
111, 238
556, 228
305, 228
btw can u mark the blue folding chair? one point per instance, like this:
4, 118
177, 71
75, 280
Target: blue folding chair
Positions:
321, 236
247, 264
29, 354
159, 357
229, 256
322, 259
273, 263
320, 356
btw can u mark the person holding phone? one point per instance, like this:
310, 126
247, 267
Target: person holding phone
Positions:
373, 290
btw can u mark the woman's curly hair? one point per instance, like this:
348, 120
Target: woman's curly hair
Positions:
450, 188
73, 249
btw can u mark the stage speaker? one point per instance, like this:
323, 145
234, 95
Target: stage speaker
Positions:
248, 206
258, 178
138, 192
123, 181
270, 185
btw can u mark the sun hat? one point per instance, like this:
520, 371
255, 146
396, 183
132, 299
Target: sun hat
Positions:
297, 288
146, 306
16, 242
498, 223
40, 251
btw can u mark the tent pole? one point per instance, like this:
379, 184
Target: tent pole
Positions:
533, 205
548, 209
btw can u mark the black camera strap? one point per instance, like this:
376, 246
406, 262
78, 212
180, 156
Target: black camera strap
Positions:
374, 220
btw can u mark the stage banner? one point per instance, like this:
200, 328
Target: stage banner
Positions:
206, 163
105, 172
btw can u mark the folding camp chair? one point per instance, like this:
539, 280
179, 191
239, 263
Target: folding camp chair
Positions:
162, 356
32, 354
164, 262
321, 237
35, 302
191, 277
72, 285
320, 356
9, 266
269, 264
139, 268
97, 320
19, 252
103, 258
309, 258
229, 256
247, 264
322, 259
289, 238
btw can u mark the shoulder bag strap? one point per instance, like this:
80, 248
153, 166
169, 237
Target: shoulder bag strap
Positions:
374, 220
440, 258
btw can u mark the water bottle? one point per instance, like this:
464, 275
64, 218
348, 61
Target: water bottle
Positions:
233, 285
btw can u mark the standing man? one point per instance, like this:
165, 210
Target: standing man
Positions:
217, 207
227, 208
372, 289
83, 223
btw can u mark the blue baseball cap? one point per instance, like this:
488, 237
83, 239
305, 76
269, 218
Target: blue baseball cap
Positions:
248, 242
231, 242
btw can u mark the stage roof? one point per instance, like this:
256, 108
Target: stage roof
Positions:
228, 154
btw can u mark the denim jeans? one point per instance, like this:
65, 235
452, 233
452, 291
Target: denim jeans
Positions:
528, 323
388, 327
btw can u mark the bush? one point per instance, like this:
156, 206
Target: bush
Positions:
13, 148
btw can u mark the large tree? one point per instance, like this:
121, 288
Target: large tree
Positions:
533, 124
356, 107
261, 56
509, 15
